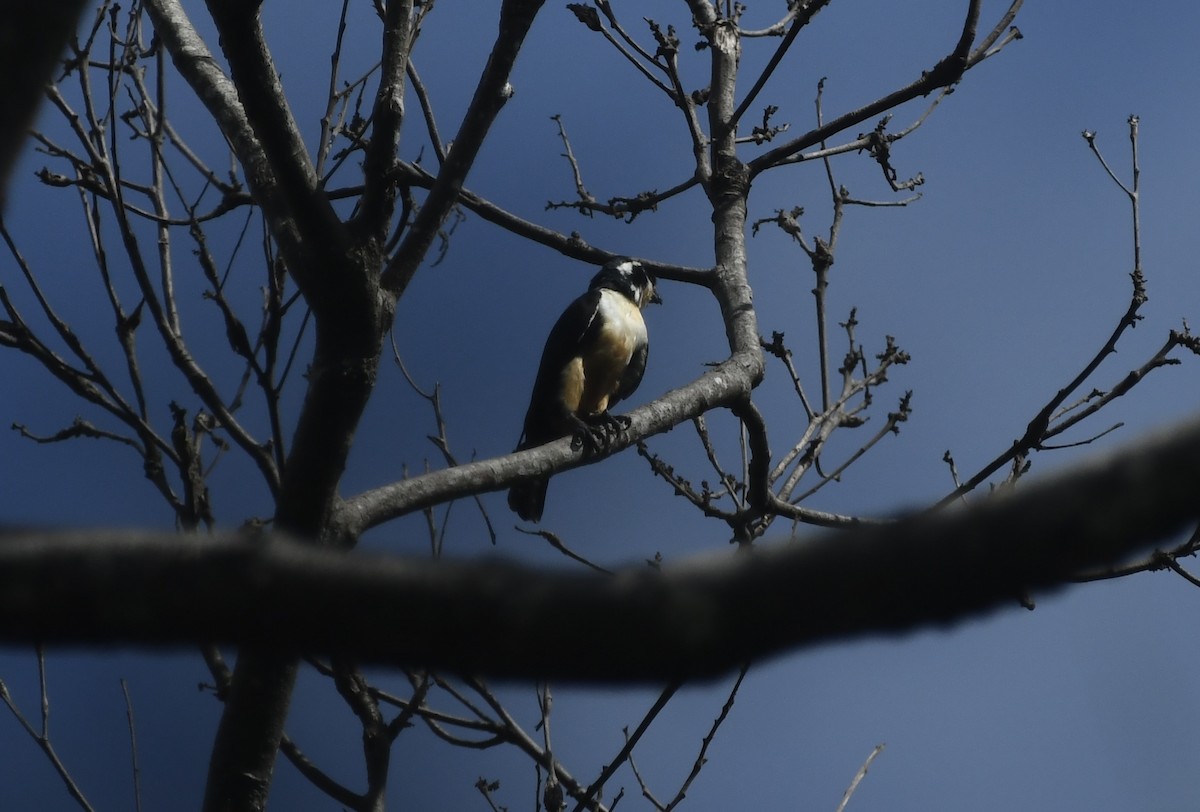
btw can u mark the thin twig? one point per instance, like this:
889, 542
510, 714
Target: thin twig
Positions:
133, 749
558, 544
335, 60
706, 742
858, 777
638, 57
631, 740
793, 29
1039, 427
42, 738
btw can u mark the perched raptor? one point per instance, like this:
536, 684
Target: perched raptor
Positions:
594, 357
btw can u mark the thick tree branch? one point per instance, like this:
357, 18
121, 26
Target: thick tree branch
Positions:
724, 385
280, 176
199, 68
699, 618
261, 93
379, 195
351, 316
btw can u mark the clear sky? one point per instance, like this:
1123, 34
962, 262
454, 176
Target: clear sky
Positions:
1001, 281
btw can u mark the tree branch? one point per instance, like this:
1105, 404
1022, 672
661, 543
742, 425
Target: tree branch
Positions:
516, 17
300, 217
569, 245
725, 384
379, 194
262, 97
801, 15
945, 73
700, 618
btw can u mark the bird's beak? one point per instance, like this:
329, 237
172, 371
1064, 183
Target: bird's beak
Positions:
654, 297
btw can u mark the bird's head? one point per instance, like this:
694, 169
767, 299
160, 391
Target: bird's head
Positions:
628, 277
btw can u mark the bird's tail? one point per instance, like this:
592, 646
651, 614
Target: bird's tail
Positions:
527, 499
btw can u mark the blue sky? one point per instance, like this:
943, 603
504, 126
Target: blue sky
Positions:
1001, 281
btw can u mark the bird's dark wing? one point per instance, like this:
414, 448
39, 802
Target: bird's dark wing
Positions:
633, 374
576, 328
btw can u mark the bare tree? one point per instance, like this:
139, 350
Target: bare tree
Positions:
342, 228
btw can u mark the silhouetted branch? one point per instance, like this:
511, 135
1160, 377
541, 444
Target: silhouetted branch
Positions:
945, 73
699, 618
133, 749
639, 57
41, 735
701, 756
1039, 428
493, 90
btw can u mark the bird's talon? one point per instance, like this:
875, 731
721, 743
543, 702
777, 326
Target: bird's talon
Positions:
593, 439
614, 426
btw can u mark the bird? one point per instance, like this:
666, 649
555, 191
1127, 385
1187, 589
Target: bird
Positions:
594, 357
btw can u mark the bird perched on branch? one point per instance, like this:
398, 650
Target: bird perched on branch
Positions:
594, 357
